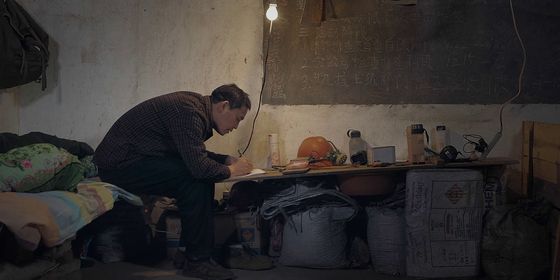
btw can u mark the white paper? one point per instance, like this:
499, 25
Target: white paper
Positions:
254, 172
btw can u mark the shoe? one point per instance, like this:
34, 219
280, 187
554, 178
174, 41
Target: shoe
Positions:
243, 257
207, 270
179, 259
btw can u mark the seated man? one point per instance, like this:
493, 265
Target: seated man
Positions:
157, 148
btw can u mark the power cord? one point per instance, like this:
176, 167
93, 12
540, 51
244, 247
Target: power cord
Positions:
498, 134
476, 142
261, 93
520, 78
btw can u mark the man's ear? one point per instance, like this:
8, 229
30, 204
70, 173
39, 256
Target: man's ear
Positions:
223, 105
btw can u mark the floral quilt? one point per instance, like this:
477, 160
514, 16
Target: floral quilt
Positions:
39, 167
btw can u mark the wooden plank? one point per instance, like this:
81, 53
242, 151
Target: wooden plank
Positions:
527, 126
541, 168
546, 148
526, 167
541, 158
551, 192
547, 142
556, 255
547, 171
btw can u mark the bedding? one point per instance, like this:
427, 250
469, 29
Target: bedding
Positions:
39, 167
52, 217
10, 141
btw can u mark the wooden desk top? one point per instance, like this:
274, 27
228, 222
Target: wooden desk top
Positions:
363, 170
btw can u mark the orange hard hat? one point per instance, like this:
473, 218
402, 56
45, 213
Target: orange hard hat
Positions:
316, 149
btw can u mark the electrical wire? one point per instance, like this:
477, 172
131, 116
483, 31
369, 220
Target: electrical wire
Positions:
261, 93
473, 141
521, 72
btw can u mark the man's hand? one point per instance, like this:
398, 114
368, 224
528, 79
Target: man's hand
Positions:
239, 166
231, 160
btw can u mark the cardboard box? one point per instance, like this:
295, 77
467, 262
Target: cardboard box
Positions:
248, 230
172, 234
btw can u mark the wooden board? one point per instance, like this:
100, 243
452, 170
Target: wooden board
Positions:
541, 155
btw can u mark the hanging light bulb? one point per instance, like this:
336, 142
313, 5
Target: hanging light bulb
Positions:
272, 12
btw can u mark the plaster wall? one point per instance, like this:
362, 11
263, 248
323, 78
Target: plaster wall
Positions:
110, 55
9, 111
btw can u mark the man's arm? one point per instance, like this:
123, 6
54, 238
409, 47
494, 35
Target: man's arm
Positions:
218, 157
187, 131
188, 135
236, 166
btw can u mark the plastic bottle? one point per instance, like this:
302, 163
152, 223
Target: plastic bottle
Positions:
357, 147
415, 141
441, 138
274, 152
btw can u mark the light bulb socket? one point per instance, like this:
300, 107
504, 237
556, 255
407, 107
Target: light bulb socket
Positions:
272, 12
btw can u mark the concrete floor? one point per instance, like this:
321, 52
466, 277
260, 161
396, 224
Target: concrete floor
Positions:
125, 271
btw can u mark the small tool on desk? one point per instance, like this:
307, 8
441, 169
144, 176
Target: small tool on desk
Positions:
379, 164
296, 166
295, 171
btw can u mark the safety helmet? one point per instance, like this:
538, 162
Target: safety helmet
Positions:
320, 152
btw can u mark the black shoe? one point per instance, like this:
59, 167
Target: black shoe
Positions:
243, 257
207, 270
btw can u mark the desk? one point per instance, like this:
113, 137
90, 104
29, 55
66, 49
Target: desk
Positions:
465, 215
363, 170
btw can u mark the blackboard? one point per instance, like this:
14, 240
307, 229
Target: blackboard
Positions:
434, 52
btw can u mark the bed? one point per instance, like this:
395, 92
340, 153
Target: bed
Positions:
48, 192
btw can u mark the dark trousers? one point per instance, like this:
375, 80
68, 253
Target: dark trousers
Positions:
169, 177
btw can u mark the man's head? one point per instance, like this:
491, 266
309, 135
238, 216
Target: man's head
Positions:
229, 107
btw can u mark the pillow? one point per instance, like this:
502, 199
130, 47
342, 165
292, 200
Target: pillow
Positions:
39, 167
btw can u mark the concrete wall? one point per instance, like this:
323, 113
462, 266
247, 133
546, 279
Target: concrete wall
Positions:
111, 55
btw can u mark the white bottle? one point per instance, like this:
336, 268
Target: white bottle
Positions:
415, 143
274, 151
357, 147
441, 138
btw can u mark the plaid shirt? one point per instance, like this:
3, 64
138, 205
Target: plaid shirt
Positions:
175, 124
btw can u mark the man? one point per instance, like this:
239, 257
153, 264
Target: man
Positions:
158, 148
